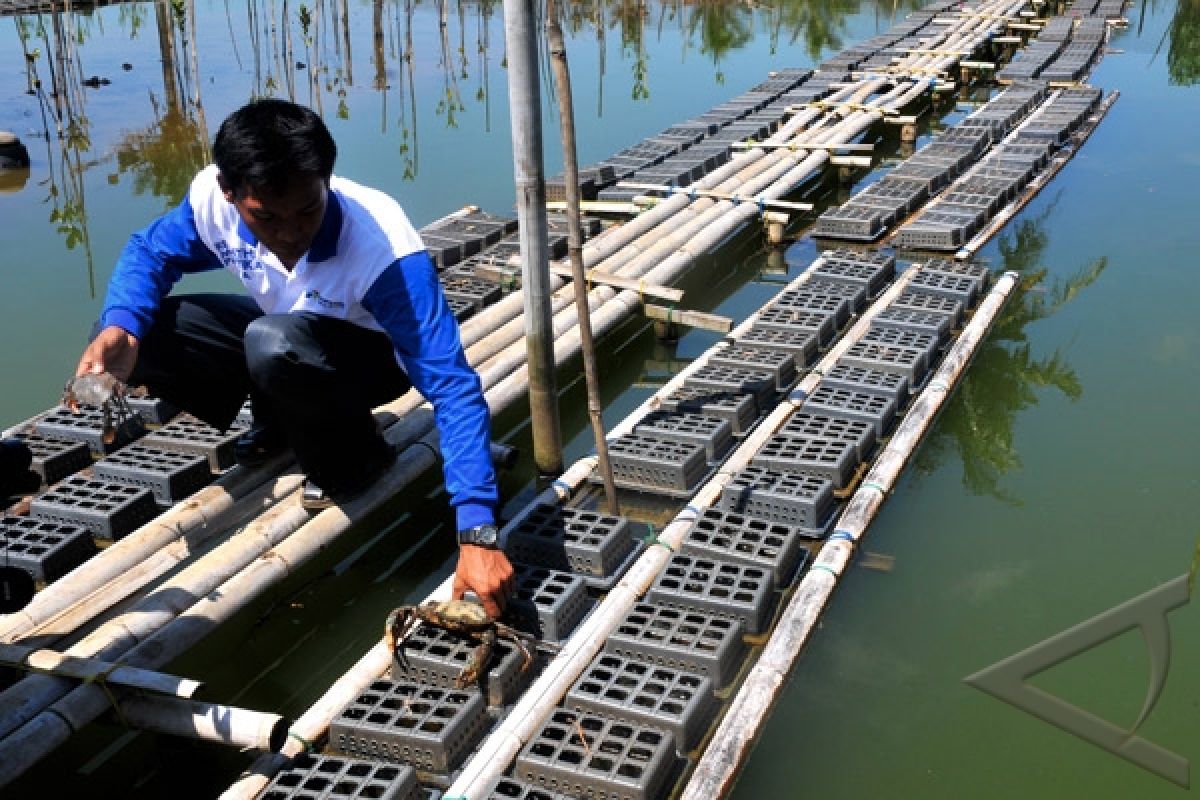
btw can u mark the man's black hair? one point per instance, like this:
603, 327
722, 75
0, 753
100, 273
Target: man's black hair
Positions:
268, 143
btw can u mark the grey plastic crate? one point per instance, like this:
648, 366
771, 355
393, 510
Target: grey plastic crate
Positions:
926, 342
171, 475
763, 543
190, 435
46, 550
695, 640
856, 223
443, 250
909, 362
479, 292
878, 410
582, 754
87, 426
877, 258
739, 410
714, 434
836, 458
153, 410
854, 293
548, 603
781, 315
652, 464
671, 698
405, 723
54, 458
932, 303
802, 343
826, 301
437, 657
512, 789
913, 320
108, 510
978, 274
311, 776
802, 500
587, 543
721, 587
758, 383
872, 276
781, 363
806, 423
868, 380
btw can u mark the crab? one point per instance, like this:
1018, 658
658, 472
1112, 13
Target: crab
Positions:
465, 617
105, 391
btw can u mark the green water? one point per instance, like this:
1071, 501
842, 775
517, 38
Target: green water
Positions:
1057, 484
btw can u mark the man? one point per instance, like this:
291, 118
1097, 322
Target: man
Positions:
344, 313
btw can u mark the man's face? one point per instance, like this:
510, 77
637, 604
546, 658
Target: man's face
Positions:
285, 221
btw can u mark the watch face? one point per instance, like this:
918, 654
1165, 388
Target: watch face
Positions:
486, 534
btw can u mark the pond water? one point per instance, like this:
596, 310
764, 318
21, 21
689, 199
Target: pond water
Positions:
1056, 484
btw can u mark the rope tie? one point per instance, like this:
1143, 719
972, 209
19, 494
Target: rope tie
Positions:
875, 486
305, 743
100, 679
818, 371
842, 536
652, 539
825, 568
798, 396
561, 485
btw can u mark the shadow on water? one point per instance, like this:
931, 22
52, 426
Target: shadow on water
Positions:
1005, 376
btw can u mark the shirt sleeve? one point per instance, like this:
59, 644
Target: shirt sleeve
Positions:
153, 261
407, 301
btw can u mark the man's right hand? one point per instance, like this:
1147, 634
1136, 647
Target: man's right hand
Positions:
114, 350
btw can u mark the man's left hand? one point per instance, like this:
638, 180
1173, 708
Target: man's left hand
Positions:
486, 572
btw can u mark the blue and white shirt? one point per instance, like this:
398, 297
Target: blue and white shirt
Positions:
366, 265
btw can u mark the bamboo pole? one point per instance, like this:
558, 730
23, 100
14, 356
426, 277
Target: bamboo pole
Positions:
238, 727
49, 662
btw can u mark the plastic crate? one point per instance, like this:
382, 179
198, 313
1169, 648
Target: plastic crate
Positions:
977, 274
584, 542
653, 464
933, 303
827, 302
853, 222
878, 410
153, 410
823, 455
108, 510
399, 722
724, 588
854, 293
740, 380
548, 603
54, 458
806, 422
802, 500
782, 315
46, 550
582, 754
910, 319
868, 380
87, 426
189, 435
671, 698
512, 789
437, 657
479, 292
802, 343
311, 776
872, 276
739, 410
714, 434
911, 363
694, 640
461, 309
781, 363
900, 337
762, 543
171, 475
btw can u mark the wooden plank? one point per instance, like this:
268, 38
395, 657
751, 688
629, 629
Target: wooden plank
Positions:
855, 147
692, 319
737, 198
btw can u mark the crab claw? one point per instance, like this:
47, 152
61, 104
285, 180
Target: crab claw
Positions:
478, 662
391, 628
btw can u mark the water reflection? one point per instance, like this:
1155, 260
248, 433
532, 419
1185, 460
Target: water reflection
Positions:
1183, 53
1005, 376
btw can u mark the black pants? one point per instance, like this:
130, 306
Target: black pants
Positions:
314, 379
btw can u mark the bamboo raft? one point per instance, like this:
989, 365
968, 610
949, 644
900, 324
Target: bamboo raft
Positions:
652, 249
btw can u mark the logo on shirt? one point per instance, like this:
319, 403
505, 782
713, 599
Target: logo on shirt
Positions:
242, 259
314, 296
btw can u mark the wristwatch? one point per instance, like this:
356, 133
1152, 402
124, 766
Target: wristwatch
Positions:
481, 535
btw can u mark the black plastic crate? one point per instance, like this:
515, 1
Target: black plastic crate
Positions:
878, 410
781, 363
827, 301
913, 320
651, 464
806, 422
802, 343
87, 426
872, 276
108, 510
738, 409
476, 291
740, 380
587, 543
436, 657
405, 723
54, 458
868, 380
153, 410
462, 309
724, 588
171, 475
46, 550
311, 776
802, 500
932, 303
714, 434
671, 698
548, 603
762, 543
824, 455
512, 789
782, 315
853, 222
189, 435
443, 250
584, 755
695, 640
